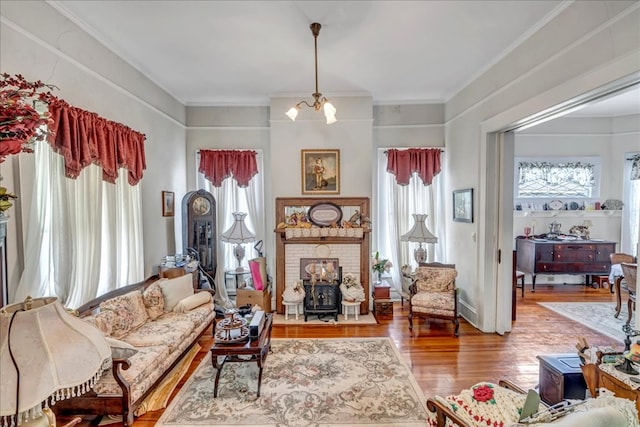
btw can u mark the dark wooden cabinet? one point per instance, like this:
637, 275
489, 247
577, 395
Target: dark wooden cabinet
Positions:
199, 228
588, 257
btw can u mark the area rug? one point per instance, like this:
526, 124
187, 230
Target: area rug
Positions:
306, 382
595, 315
313, 319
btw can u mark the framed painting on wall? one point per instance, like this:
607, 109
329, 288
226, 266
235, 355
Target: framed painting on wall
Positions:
168, 203
463, 205
320, 171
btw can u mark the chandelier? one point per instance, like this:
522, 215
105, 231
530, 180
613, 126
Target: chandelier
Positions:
320, 102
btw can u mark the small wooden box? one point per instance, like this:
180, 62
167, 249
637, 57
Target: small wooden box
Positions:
382, 307
262, 298
381, 290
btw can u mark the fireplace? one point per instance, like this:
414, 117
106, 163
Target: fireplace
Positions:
321, 298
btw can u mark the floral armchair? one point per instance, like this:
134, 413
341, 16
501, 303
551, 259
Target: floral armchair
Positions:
433, 294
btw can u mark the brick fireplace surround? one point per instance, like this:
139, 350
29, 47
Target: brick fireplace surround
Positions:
352, 252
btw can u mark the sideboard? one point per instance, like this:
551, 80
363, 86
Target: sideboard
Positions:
541, 256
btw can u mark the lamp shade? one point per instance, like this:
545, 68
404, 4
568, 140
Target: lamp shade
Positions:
57, 356
238, 232
419, 232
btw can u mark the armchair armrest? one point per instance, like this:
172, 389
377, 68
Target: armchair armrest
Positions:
444, 411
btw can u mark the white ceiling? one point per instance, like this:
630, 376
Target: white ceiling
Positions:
244, 52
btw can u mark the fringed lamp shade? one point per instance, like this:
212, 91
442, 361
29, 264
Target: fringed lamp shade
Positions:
421, 234
238, 233
50, 354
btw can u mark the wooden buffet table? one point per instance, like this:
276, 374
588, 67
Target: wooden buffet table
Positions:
541, 256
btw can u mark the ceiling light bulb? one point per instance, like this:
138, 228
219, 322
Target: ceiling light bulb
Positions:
330, 112
292, 113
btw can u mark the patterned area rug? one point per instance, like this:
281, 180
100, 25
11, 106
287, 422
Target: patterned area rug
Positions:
313, 319
595, 315
306, 382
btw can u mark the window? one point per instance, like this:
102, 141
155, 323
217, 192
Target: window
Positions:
557, 177
631, 208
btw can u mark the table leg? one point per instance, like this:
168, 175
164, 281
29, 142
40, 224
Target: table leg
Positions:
218, 367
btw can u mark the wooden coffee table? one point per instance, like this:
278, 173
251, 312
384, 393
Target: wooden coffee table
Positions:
252, 350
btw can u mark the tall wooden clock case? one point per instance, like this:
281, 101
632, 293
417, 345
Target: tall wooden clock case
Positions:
199, 228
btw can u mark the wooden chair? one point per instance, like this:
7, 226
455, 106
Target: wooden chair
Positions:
433, 294
630, 272
618, 258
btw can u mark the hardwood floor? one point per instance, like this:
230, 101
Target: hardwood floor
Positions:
443, 364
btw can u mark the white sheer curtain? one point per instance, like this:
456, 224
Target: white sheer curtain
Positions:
630, 210
84, 236
231, 198
395, 205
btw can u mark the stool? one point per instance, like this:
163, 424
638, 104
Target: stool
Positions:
287, 309
345, 308
520, 276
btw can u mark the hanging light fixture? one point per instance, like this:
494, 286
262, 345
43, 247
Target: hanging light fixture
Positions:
320, 102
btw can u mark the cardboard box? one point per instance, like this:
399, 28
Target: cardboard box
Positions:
381, 290
262, 298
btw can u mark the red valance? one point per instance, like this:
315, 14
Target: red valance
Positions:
217, 165
403, 163
83, 138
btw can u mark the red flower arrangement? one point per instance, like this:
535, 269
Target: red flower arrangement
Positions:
21, 125
483, 393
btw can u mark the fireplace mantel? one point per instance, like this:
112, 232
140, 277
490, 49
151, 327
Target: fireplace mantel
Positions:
283, 204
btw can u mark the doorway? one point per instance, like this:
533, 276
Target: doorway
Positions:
499, 148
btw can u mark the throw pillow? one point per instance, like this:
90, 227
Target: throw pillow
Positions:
154, 300
191, 302
176, 289
103, 320
130, 312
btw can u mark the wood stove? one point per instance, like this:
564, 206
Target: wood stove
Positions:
322, 298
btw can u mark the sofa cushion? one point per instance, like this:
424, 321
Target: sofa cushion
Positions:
147, 362
164, 331
103, 320
199, 315
154, 300
130, 312
192, 301
116, 343
176, 289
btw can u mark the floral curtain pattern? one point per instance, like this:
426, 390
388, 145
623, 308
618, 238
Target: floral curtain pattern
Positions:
537, 179
84, 138
217, 165
635, 167
404, 163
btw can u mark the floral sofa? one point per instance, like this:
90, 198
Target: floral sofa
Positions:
150, 326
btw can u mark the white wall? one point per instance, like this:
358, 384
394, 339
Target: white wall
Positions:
39, 43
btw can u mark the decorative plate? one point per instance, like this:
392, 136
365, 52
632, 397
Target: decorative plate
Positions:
556, 205
324, 214
574, 206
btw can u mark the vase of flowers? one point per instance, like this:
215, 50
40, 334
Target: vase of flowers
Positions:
379, 266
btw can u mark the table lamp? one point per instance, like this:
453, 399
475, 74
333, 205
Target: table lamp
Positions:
46, 355
238, 233
419, 233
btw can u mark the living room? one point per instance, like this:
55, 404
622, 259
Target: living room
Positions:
541, 73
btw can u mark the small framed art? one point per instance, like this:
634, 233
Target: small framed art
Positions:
168, 203
320, 171
463, 205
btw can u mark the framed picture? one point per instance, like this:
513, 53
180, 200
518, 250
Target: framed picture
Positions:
463, 205
168, 203
309, 265
320, 171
